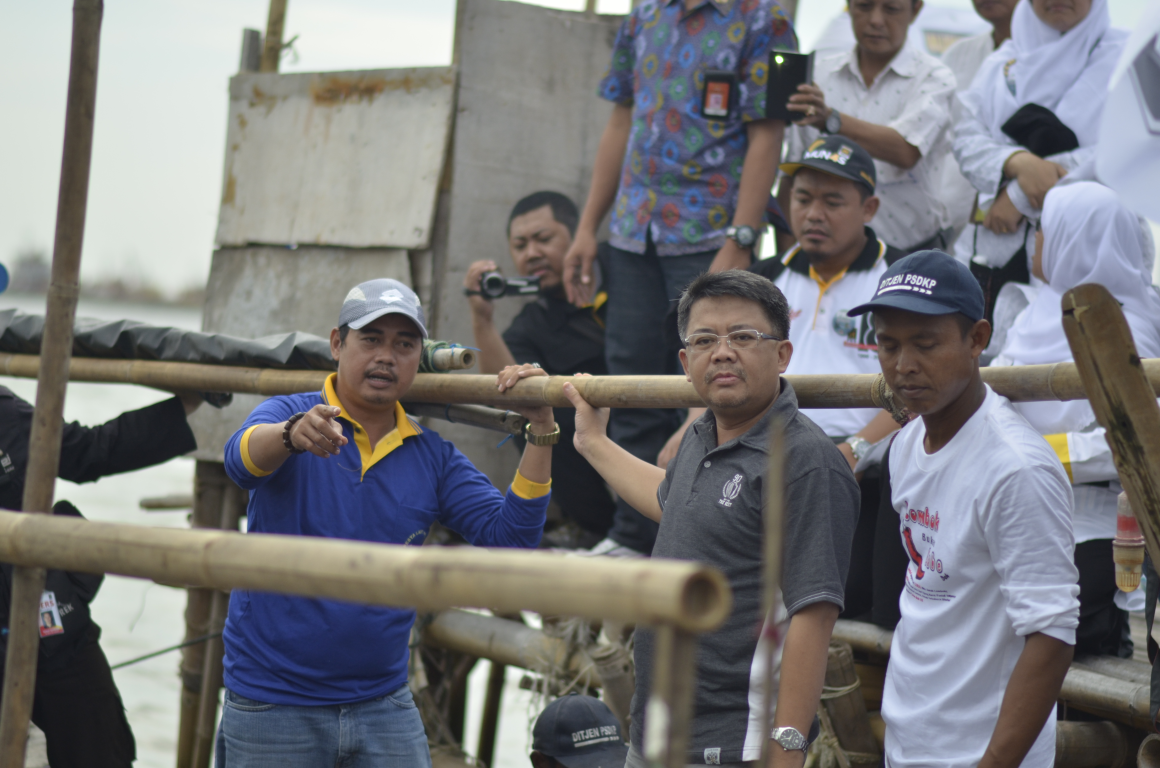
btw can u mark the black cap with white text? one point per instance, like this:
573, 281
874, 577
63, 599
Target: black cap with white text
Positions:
580, 732
927, 283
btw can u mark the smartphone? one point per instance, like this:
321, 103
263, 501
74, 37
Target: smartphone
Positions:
787, 70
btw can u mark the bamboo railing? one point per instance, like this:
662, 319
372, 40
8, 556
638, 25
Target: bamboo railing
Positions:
1060, 381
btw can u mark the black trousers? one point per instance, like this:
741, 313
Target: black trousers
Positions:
1103, 626
78, 707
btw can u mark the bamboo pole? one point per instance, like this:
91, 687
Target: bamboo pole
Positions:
1060, 381
617, 677
272, 49
774, 524
489, 722
508, 422
1120, 696
506, 642
689, 595
846, 709
1095, 745
1121, 396
233, 506
48, 419
209, 486
669, 711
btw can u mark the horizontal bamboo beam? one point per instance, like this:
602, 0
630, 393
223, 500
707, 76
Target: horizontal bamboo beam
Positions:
1060, 381
507, 642
689, 595
1114, 692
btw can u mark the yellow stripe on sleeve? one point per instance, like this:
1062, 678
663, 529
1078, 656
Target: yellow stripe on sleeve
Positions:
251, 467
1058, 444
526, 489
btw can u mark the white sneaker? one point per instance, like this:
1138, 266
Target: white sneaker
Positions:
610, 548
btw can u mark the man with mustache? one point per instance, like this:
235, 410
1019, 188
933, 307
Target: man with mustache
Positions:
709, 505
990, 607
894, 99
314, 682
563, 339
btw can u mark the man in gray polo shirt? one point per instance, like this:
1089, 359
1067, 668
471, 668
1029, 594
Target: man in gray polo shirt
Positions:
709, 506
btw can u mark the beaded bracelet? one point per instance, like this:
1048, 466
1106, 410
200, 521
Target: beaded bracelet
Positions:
286, 433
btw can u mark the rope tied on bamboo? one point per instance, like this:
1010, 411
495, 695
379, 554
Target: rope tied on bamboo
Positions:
826, 752
836, 693
883, 397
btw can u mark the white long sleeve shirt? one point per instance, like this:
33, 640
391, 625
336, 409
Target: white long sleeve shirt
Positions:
987, 523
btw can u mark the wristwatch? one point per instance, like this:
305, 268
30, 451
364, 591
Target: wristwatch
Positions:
833, 122
745, 236
551, 438
790, 739
859, 446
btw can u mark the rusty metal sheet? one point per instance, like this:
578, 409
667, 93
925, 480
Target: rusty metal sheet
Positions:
336, 158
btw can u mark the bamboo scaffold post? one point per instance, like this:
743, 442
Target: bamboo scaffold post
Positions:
774, 525
693, 597
53, 372
1059, 381
679, 598
1122, 397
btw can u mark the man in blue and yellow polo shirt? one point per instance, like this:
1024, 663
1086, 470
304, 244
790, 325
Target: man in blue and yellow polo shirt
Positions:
320, 682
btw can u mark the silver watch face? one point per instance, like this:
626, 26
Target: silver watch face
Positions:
833, 122
744, 236
789, 738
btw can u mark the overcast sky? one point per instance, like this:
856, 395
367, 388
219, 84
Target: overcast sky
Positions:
162, 104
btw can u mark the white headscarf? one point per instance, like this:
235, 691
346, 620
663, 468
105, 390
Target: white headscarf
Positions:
1067, 73
1088, 237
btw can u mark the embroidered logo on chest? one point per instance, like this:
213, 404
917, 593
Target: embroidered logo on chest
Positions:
730, 491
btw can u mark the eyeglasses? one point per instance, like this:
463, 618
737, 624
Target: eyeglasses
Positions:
703, 342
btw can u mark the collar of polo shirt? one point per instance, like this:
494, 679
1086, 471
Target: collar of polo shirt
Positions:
369, 456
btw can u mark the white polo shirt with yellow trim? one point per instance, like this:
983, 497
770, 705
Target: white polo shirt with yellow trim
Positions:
825, 339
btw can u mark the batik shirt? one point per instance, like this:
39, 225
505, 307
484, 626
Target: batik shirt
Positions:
681, 171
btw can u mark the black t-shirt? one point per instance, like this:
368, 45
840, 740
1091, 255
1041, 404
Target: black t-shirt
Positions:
564, 339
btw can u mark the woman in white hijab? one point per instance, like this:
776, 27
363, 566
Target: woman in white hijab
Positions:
1031, 115
1087, 236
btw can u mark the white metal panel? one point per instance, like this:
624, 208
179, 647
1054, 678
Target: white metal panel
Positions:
339, 158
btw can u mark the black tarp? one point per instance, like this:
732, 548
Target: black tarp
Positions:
20, 333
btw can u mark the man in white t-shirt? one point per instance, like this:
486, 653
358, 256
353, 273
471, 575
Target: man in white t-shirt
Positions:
964, 58
990, 606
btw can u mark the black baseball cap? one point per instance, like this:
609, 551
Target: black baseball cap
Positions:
837, 156
929, 283
580, 732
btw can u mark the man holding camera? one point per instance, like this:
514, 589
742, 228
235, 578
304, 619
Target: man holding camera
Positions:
561, 338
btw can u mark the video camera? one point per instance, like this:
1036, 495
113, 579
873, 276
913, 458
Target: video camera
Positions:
493, 285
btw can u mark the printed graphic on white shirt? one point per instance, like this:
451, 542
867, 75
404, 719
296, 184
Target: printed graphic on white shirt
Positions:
50, 623
925, 571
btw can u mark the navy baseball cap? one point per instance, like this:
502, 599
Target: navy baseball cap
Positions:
929, 283
837, 156
369, 301
580, 732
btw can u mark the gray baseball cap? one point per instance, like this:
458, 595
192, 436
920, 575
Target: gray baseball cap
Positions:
369, 301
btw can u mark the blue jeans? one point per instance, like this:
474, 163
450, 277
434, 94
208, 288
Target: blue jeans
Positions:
643, 290
384, 732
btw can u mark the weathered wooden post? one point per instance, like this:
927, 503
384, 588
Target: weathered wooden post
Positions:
272, 50
56, 349
1121, 396
209, 493
233, 506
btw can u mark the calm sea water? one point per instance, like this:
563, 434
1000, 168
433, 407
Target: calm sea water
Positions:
137, 616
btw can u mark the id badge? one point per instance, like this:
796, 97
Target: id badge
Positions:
50, 623
719, 96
